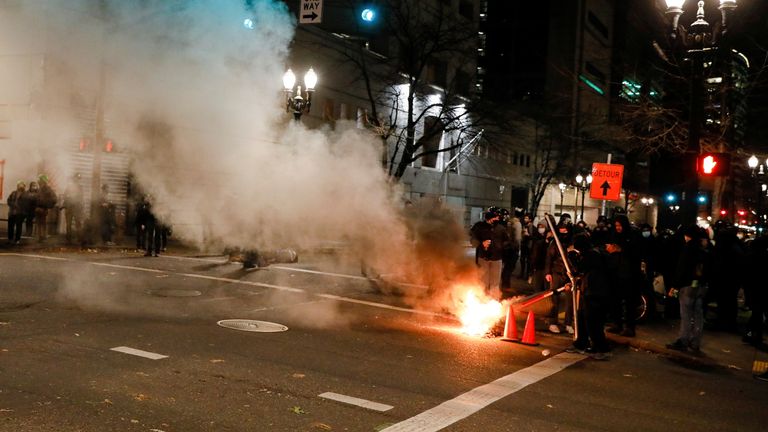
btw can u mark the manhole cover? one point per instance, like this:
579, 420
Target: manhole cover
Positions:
252, 325
175, 293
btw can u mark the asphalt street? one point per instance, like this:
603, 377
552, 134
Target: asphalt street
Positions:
121, 342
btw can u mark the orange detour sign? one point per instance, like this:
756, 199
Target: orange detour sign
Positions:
606, 181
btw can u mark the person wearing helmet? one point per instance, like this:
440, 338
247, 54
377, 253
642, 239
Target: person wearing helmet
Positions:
489, 238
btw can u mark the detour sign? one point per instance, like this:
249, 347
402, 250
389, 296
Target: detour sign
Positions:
606, 181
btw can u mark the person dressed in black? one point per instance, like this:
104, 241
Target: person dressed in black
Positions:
691, 279
28, 205
648, 249
146, 218
511, 250
756, 291
593, 285
626, 277
139, 220
106, 214
539, 245
526, 243
16, 213
727, 276
489, 239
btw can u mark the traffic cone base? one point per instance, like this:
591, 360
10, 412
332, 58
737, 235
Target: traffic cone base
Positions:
510, 327
529, 334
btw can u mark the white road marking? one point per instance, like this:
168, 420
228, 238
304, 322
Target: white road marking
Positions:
461, 407
378, 305
356, 401
243, 282
138, 352
285, 306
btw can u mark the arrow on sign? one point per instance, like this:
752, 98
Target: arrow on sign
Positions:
313, 16
605, 186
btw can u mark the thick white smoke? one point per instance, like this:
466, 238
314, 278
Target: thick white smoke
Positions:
195, 98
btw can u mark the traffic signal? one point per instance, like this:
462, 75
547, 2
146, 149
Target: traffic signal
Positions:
713, 164
109, 146
368, 14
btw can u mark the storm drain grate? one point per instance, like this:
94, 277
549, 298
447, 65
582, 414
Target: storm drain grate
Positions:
174, 293
252, 325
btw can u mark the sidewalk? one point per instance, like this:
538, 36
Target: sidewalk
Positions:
719, 350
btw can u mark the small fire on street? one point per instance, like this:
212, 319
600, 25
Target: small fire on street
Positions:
477, 312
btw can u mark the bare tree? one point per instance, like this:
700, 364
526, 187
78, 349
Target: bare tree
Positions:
419, 89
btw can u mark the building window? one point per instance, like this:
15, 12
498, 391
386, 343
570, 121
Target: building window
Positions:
598, 25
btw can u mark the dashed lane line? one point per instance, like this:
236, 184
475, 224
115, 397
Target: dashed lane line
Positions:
139, 353
375, 406
461, 407
241, 282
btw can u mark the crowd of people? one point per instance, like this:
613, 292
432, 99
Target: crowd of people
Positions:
32, 210
615, 265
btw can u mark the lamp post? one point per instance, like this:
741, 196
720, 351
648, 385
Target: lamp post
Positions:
295, 99
647, 202
562, 192
583, 184
699, 41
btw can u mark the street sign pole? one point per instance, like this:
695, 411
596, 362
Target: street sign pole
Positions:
602, 209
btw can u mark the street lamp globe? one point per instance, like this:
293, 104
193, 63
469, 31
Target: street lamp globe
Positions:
752, 162
589, 178
310, 79
579, 178
650, 201
289, 79
675, 5
561, 186
644, 200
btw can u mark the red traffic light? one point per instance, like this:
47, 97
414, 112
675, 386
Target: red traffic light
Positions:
713, 164
742, 212
723, 212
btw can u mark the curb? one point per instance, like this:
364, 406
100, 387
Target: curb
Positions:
682, 357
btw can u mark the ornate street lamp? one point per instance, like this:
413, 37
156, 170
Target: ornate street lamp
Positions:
698, 42
582, 183
562, 191
296, 100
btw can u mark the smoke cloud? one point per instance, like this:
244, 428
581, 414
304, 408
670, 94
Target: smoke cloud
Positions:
195, 98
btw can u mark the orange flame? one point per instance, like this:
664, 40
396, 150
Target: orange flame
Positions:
477, 312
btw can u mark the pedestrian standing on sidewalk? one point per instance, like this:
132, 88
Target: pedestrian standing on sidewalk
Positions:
526, 244
489, 239
46, 200
16, 213
28, 204
593, 283
73, 209
626, 277
690, 284
511, 251
757, 291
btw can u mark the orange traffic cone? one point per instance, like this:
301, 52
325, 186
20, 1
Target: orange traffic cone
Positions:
529, 334
510, 327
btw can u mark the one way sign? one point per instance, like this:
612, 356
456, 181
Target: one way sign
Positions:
311, 12
606, 181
